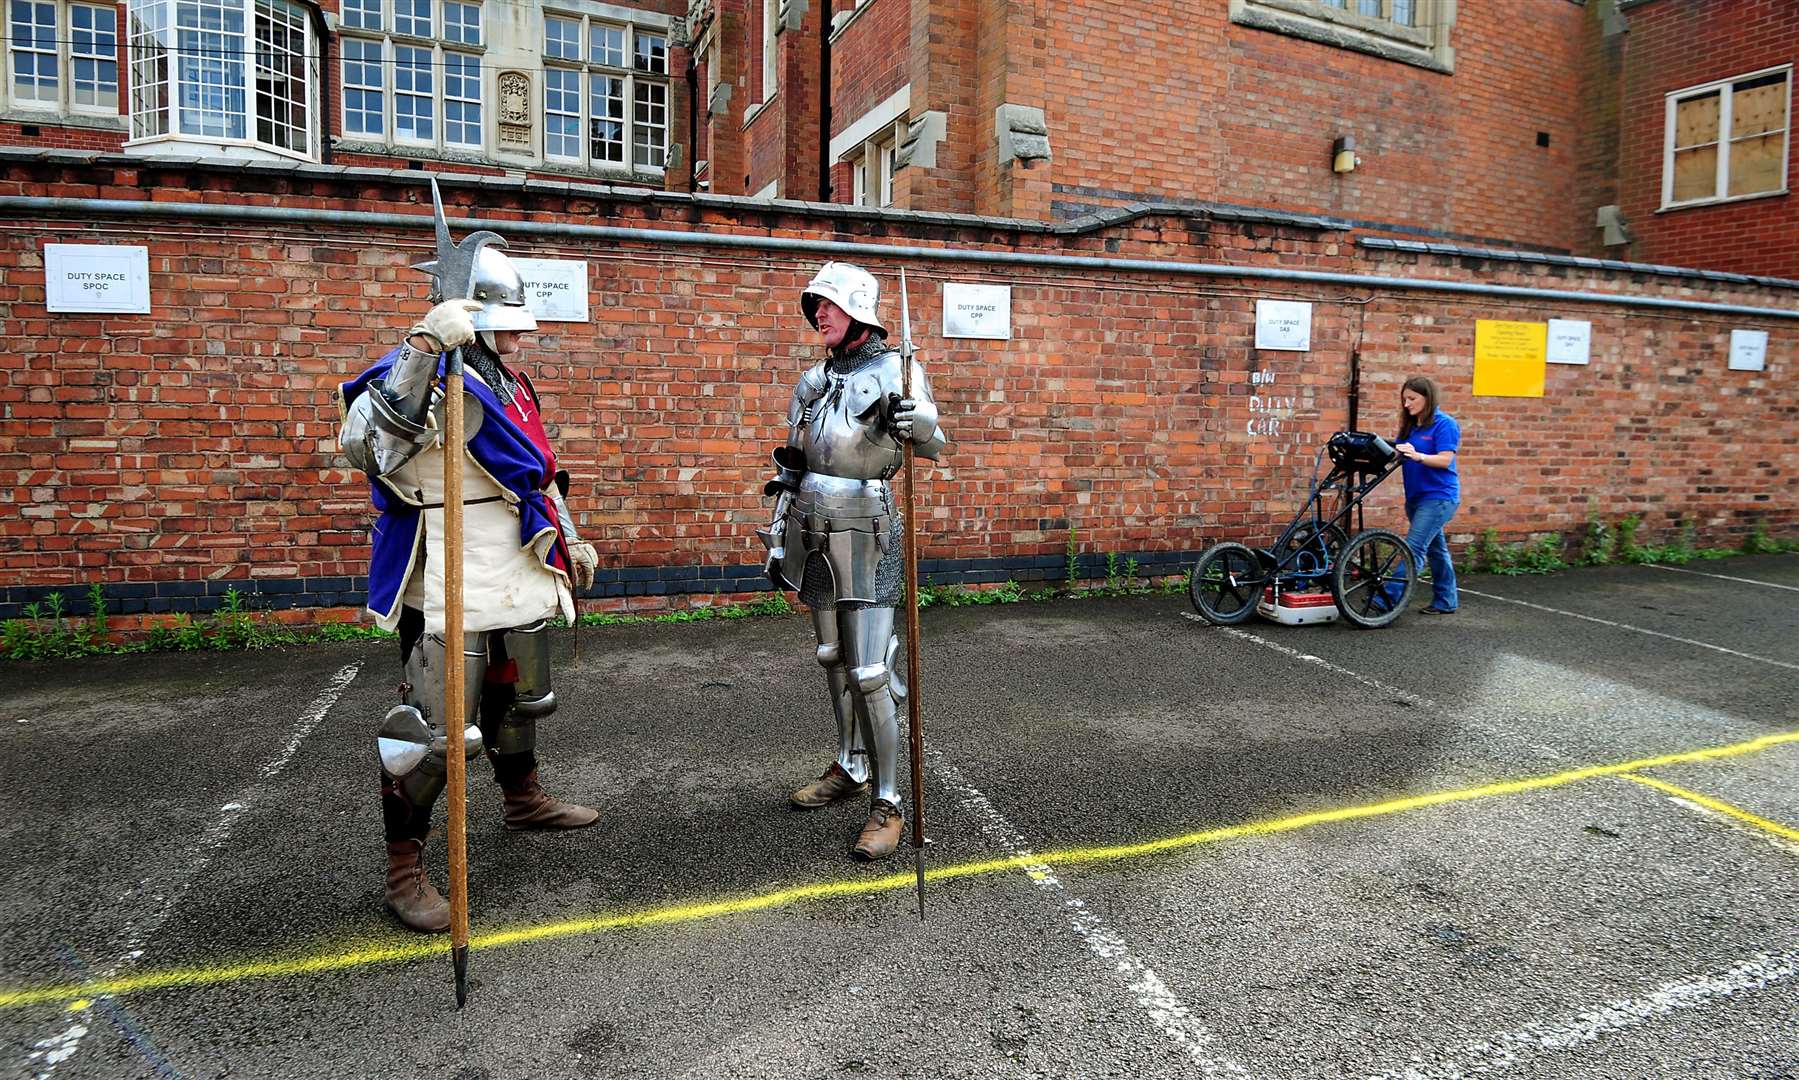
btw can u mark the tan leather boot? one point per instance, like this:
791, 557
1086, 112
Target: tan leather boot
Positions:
881, 835
529, 808
833, 784
410, 894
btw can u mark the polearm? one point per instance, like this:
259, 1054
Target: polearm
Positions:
913, 711
453, 278
455, 674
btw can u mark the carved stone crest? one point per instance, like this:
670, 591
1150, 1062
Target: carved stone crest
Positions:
515, 109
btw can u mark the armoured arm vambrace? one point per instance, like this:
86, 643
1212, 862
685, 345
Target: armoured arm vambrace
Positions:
389, 424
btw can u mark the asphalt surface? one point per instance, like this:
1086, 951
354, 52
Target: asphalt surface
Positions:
1348, 886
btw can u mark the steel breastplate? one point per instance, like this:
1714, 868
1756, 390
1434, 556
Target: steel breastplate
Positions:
841, 432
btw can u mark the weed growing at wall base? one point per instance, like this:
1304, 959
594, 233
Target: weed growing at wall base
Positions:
49, 631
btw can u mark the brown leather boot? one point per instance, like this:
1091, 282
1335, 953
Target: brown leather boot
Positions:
529, 808
410, 894
881, 835
832, 784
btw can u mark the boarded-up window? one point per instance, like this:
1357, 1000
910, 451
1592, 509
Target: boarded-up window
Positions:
1758, 135
1728, 140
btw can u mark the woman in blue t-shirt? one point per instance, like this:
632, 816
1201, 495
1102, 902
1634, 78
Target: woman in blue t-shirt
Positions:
1429, 439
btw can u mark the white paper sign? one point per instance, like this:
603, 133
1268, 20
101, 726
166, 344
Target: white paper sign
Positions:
97, 277
977, 311
1748, 350
1570, 341
555, 289
1284, 324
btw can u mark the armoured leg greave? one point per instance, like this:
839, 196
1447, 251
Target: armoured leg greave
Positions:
852, 753
528, 650
878, 692
413, 740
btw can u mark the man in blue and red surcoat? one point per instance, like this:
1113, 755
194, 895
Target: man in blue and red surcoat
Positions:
522, 560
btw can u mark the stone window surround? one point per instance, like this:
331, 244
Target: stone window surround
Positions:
1425, 44
634, 22
65, 109
390, 40
1675, 96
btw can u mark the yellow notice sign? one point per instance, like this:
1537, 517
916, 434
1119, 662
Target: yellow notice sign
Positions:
1509, 358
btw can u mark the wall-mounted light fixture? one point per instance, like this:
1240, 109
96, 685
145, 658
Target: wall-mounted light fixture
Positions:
1343, 155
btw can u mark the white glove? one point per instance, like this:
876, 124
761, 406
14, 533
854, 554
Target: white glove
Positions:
586, 561
450, 325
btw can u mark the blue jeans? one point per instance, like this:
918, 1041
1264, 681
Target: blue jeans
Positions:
1428, 517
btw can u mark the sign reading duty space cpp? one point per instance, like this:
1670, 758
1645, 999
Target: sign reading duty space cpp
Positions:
977, 311
555, 289
97, 277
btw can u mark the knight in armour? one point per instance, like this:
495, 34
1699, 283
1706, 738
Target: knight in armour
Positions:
522, 559
836, 536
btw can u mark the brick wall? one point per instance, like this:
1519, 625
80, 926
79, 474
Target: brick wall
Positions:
52, 136
1160, 102
1674, 45
868, 63
176, 455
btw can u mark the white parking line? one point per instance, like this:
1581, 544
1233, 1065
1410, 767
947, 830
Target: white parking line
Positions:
51, 1052
1397, 692
1540, 1037
1636, 629
1169, 1014
1385, 688
1723, 577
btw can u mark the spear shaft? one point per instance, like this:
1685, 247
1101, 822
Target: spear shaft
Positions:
914, 712
455, 672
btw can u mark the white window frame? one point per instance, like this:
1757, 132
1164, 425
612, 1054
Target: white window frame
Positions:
771, 68
587, 69
1721, 182
871, 165
440, 49
150, 42
62, 49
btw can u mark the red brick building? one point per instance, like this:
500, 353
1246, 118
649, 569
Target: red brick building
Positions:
1536, 124
1704, 149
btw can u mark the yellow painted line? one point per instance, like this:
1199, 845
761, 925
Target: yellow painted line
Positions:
403, 951
1721, 807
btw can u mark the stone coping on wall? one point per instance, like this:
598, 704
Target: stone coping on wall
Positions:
1109, 218
1382, 243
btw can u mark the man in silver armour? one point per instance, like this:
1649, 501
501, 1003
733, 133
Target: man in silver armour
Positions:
836, 535
522, 558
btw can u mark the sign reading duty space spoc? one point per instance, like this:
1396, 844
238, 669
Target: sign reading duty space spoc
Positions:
555, 289
977, 311
97, 277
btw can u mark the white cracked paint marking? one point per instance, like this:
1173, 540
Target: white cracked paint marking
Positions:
1169, 1014
56, 1049
1635, 629
1535, 1039
164, 900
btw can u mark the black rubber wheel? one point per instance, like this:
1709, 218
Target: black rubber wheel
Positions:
1317, 547
1227, 584
1371, 564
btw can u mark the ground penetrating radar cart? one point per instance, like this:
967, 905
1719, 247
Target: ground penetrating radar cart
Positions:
1317, 570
